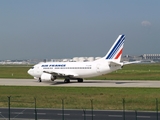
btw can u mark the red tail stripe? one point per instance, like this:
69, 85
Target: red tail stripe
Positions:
120, 52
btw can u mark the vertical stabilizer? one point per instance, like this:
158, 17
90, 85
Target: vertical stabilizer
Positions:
115, 51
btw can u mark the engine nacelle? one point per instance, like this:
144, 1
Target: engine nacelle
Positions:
46, 77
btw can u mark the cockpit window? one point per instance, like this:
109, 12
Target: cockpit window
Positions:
32, 67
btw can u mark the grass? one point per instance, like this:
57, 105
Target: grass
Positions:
15, 72
80, 98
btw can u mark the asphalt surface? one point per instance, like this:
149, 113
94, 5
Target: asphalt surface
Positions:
65, 114
86, 83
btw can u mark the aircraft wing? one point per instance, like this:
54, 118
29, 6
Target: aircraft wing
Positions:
61, 74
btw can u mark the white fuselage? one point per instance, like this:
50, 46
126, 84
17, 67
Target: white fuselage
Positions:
77, 69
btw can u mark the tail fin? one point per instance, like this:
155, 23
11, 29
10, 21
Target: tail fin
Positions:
115, 51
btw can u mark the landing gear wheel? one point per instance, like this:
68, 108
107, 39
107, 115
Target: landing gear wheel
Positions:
80, 80
67, 81
39, 80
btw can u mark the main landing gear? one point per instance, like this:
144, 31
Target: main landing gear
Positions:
68, 80
80, 80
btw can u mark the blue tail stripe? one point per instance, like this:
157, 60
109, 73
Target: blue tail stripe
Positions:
110, 54
116, 50
116, 47
114, 53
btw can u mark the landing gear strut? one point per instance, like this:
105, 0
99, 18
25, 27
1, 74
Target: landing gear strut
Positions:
67, 81
80, 80
39, 80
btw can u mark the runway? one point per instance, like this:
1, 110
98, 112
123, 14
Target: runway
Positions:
86, 83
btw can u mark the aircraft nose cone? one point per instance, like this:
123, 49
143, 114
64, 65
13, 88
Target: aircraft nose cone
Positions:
30, 72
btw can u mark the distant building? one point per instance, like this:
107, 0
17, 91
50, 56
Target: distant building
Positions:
151, 56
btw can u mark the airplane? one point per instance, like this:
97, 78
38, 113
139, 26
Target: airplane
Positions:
79, 70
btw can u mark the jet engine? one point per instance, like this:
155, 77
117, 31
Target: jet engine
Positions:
47, 76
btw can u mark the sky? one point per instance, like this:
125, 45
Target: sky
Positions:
46, 29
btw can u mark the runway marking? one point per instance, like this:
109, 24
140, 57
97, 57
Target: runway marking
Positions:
88, 115
41, 113
62, 114
144, 116
17, 112
115, 115
1, 115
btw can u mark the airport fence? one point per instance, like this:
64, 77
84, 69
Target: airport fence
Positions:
9, 103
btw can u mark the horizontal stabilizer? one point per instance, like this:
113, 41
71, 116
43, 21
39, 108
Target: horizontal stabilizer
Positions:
133, 62
114, 64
